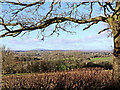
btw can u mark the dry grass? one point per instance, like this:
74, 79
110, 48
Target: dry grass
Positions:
79, 79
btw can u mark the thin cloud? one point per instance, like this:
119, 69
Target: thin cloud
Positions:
90, 42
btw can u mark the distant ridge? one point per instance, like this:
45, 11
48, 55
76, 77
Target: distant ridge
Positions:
42, 49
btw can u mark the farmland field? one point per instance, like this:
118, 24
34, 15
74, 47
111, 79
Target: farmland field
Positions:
57, 70
102, 59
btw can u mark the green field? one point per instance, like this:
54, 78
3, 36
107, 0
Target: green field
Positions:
102, 59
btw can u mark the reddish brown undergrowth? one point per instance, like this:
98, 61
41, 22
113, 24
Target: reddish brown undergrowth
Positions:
79, 79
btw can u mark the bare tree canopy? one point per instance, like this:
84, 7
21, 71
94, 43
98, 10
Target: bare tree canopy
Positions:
22, 17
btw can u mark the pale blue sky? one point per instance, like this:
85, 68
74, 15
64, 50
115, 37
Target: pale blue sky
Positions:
81, 40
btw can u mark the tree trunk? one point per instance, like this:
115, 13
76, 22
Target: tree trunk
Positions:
116, 56
114, 23
116, 53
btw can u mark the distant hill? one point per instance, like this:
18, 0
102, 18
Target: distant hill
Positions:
40, 49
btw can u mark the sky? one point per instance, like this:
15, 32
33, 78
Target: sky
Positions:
81, 40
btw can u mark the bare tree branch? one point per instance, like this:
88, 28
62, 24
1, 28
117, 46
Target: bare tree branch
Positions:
55, 20
105, 7
108, 3
90, 25
22, 4
55, 12
77, 6
103, 30
91, 10
100, 4
4, 25
52, 21
116, 11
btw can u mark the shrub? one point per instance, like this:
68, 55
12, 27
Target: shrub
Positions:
91, 64
62, 67
44, 66
106, 65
